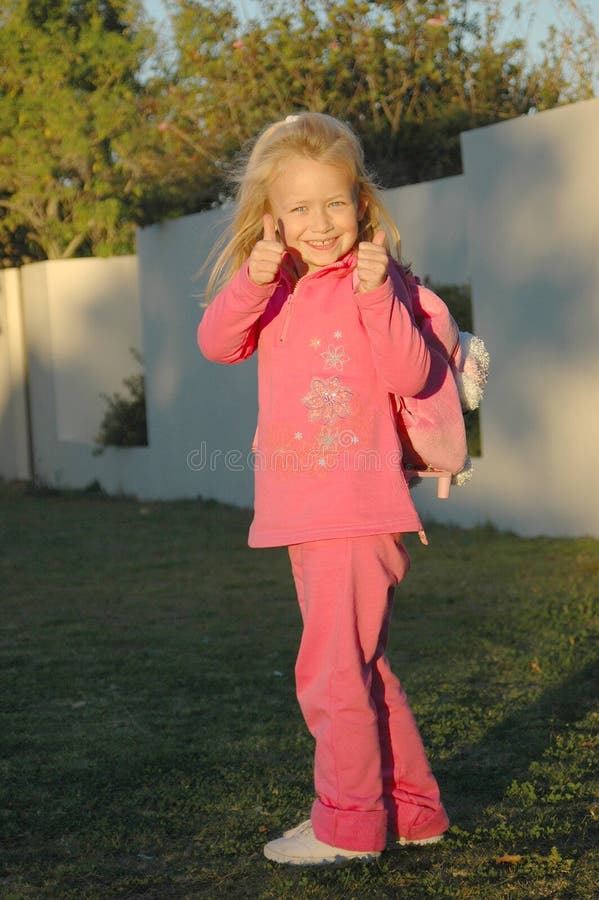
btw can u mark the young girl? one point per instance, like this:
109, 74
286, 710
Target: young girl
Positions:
306, 280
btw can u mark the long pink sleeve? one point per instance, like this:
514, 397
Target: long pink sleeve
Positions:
228, 331
400, 354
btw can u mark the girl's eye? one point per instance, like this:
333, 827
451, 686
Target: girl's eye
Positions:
299, 209
337, 203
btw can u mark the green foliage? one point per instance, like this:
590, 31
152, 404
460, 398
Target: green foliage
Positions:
105, 125
410, 77
70, 95
151, 740
124, 422
458, 299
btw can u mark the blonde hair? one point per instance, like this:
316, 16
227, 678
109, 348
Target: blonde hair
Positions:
315, 136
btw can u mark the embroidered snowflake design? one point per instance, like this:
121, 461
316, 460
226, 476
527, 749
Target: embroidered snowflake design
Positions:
327, 400
334, 357
298, 435
315, 343
337, 335
328, 440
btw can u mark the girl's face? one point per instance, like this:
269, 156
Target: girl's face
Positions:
316, 210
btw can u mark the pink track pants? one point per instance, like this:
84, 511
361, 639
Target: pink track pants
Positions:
371, 773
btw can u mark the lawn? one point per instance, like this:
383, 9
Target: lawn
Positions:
151, 741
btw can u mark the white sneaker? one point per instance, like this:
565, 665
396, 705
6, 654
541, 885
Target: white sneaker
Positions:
405, 842
300, 847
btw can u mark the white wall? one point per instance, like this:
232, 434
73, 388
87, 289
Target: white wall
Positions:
81, 318
431, 218
195, 408
532, 200
521, 224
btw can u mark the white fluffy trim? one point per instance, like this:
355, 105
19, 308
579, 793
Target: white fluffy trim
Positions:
473, 372
465, 475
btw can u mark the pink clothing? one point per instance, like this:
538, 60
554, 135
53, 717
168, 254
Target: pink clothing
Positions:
328, 460
329, 483
371, 772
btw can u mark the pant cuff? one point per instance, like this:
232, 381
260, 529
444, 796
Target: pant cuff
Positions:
350, 829
416, 824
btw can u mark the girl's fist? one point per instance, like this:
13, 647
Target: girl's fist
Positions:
265, 258
373, 263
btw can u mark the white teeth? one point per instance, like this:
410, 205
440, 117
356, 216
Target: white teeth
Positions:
327, 243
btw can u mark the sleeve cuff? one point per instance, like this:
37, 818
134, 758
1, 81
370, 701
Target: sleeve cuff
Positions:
258, 293
366, 299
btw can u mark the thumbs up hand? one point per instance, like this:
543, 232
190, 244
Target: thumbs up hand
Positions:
373, 263
265, 258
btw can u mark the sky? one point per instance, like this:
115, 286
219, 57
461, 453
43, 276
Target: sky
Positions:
542, 12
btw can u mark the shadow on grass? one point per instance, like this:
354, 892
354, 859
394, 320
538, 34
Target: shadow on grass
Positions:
478, 775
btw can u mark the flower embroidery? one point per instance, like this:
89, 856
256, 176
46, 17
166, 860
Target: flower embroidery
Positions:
337, 335
315, 343
298, 435
327, 400
334, 357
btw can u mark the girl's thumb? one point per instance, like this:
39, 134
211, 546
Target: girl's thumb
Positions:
270, 230
380, 239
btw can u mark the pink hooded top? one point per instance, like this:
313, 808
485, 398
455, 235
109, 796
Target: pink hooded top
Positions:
328, 461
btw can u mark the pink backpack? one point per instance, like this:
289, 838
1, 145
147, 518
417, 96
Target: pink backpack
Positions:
431, 425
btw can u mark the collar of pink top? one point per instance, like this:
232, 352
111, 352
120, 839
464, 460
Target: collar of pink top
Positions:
346, 264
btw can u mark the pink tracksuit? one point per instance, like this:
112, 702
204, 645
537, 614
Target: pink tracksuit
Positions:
329, 484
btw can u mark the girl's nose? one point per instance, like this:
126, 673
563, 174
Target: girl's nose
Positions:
321, 220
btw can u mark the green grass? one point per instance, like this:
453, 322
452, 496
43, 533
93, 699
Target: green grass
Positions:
151, 741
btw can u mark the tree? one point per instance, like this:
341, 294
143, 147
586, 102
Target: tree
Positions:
409, 76
94, 140
70, 108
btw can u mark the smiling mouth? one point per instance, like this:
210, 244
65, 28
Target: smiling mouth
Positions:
322, 245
